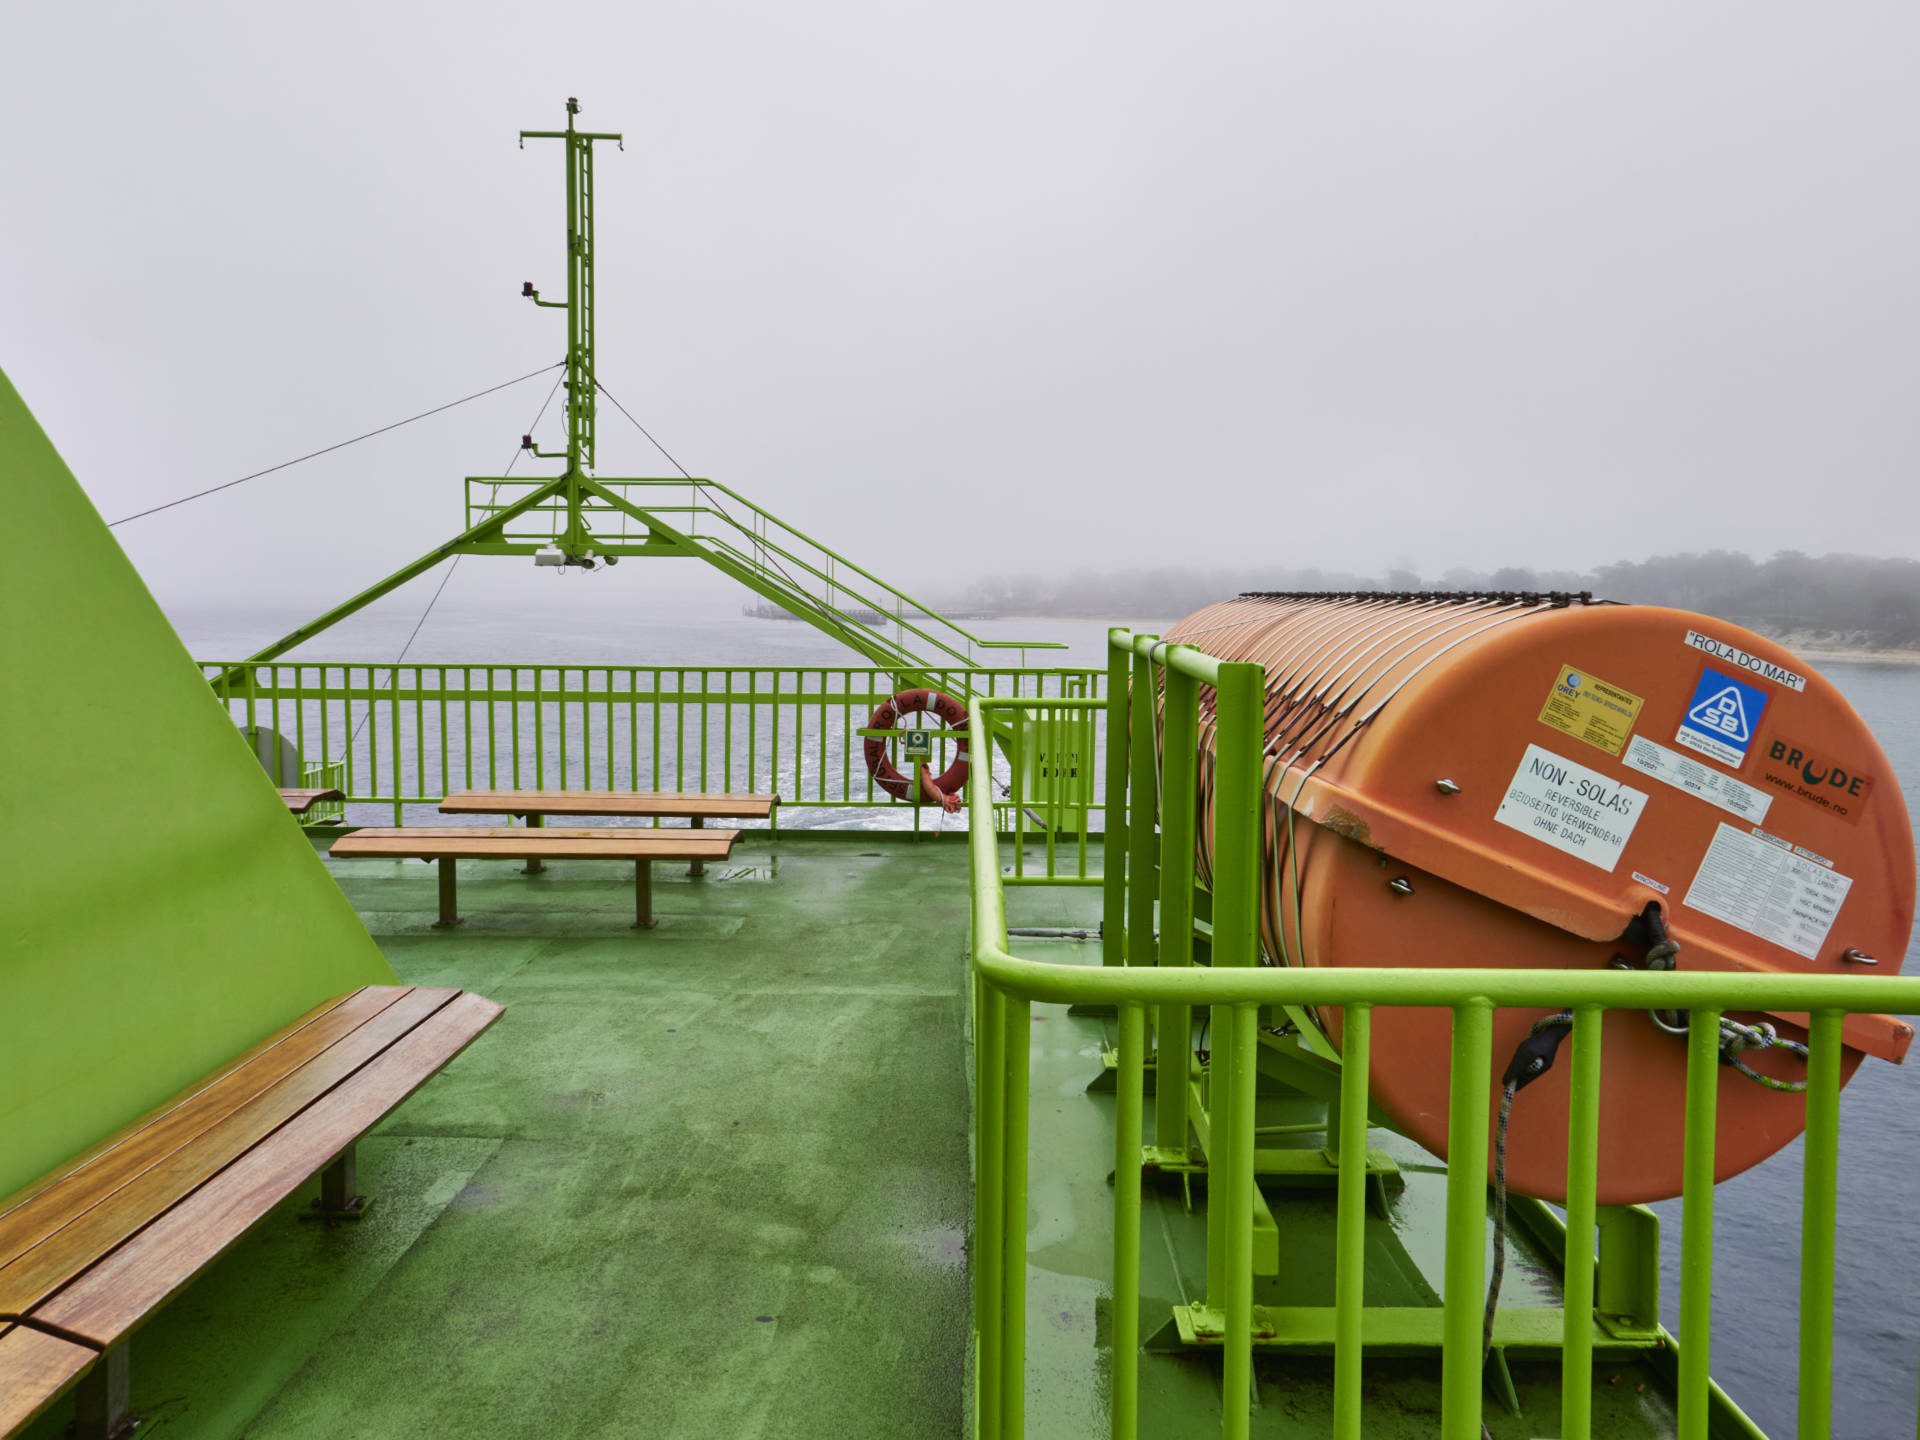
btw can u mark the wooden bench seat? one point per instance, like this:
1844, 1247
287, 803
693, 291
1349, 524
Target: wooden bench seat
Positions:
301, 801
90, 1251
536, 805
451, 843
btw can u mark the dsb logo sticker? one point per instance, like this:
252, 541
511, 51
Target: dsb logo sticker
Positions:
1722, 717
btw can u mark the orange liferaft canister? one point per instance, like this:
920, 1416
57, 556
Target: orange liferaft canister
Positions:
1543, 782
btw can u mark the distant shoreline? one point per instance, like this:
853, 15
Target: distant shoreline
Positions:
1856, 653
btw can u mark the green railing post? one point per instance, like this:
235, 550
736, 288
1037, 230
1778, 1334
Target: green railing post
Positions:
1179, 792
1350, 1223
1469, 1099
1113, 843
393, 737
1017, 1026
1817, 1220
1142, 804
1236, 1371
1239, 736
1239, 690
989, 1037
1583, 1170
1696, 1222
1129, 1104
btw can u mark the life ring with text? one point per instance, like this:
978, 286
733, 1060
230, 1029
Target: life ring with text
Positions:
880, 764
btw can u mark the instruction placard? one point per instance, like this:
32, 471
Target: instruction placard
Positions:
1670, 767
1590, 709
1576, 810
1760, 886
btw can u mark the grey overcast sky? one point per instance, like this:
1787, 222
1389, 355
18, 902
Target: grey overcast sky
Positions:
986, 288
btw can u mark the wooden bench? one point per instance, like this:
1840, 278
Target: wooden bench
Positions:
90, 1251
536, 805
301, 801
452, 843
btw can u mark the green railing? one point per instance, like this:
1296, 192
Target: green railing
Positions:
788, 566
1149, 976
400, 735
326, 775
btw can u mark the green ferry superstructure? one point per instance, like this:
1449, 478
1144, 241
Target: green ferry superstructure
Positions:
866, 1137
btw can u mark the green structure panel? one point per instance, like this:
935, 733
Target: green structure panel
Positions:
161, 910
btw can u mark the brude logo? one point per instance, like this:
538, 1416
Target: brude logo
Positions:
1807, 773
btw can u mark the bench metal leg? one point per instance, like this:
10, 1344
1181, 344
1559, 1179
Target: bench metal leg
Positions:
643, 894
449, 896
103, 1399
698, 867
340, 1197
533, 866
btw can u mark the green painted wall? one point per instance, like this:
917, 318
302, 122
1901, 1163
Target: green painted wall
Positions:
159, 909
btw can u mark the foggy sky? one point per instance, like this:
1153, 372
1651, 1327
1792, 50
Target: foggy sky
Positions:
984, 288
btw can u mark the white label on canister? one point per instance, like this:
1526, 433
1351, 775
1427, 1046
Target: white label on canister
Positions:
1713, 786
1751, 663
1765, 890
1564, 804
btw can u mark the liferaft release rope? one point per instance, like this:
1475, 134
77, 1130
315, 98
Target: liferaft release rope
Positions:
1532, 1059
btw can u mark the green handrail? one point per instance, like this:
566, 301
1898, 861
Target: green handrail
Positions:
1141, 972
407, 734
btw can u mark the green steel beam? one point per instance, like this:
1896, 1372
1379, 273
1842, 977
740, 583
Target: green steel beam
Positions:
469, 536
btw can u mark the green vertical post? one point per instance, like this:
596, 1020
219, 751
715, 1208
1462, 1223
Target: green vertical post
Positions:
581, 386
1350, 1223
1017, 1026
1129, 1104
1238, 740
1467, 1114
1236, 1370
1583, 1173
989, 1036
1018, 759
1142, 799
1817, 1220
393, 737
1179, 782
1696, 1222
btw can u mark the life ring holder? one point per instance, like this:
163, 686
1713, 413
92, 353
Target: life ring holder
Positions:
880, 764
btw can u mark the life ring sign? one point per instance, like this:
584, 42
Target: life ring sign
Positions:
953, 779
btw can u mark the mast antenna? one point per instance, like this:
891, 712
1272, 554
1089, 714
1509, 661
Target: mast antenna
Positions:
582, 392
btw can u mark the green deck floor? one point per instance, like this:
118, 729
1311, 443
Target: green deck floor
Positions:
713, 1180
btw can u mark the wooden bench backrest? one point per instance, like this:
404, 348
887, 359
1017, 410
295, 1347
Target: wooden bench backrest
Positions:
161, 911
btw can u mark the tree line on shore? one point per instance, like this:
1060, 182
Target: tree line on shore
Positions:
1850, 599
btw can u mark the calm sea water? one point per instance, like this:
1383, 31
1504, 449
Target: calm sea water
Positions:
1756, 1215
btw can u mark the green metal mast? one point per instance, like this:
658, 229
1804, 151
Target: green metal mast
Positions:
582, 393
548, 518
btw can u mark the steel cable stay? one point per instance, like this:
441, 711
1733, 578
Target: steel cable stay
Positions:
766, 558
340, 445
394, 673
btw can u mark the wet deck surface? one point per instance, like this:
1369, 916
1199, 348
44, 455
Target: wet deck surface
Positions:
713, 1179
709, 1179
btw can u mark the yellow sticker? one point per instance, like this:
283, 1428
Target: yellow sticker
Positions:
1591, 710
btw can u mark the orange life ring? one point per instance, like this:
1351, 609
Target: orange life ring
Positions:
909, 702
